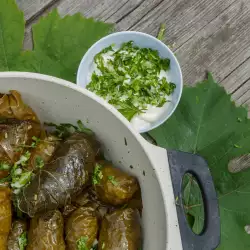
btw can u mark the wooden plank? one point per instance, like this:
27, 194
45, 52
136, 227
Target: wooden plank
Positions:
242, 95
101, 10
220, 47
33, 7
234, 81
183, 19
137, 14
107, 10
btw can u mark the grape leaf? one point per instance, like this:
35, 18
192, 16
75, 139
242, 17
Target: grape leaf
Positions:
208, 123
11, 34
59, 43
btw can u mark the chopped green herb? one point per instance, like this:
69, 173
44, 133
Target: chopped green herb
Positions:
239, 119
112, 180
83, 129
95, 247
64, 130
21, 180
97, 176
161, 33
36, 141
124, 206
237, 146
18, 177
4, 166
22, 241
130, 78
24, 158
39, 162
81, 243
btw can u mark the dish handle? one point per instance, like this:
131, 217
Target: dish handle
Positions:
180, 163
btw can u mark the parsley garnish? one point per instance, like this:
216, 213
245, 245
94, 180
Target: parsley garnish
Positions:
83, 129
4, 166
97, 176
130, 80
39, 162
64, 130
22, 241
112, 180
81, 243
18, 177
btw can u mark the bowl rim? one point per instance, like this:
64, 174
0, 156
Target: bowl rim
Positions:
158, 122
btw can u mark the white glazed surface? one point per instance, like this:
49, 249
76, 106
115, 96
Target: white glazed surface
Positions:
145, 41
59, 101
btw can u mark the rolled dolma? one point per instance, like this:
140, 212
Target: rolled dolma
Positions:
17, 239
12, 106
14, 134
46, 232
112, 185
62, 179
81, 228
43, 152
5, 216
121, 230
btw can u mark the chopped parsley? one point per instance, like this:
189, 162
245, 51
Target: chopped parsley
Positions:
83, 129
39, 162
130, 78
19, 177
112, 180
97, 176
4, 166
64, 130
81, 243
22, 241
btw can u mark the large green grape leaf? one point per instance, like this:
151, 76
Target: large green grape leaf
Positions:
11, 33
59, 43
208, 123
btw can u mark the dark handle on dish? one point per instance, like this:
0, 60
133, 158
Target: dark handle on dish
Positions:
181, 163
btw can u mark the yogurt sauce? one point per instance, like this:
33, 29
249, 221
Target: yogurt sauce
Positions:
144, 121
152, 114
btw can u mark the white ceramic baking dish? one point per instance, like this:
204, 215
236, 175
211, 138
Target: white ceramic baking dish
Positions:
158, 171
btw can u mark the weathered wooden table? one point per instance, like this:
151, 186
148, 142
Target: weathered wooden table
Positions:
206, 35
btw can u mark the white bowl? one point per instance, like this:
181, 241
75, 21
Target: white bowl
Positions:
142, 40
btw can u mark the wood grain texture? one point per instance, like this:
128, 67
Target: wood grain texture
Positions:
220, 47
32, 8
137, 14
183, 19
237, 78
101, 10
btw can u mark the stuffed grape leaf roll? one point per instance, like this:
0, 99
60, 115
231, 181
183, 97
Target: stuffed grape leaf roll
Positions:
18, 236
46, 232
62, 179
121, 230
5, 216
112, 185
81, 228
